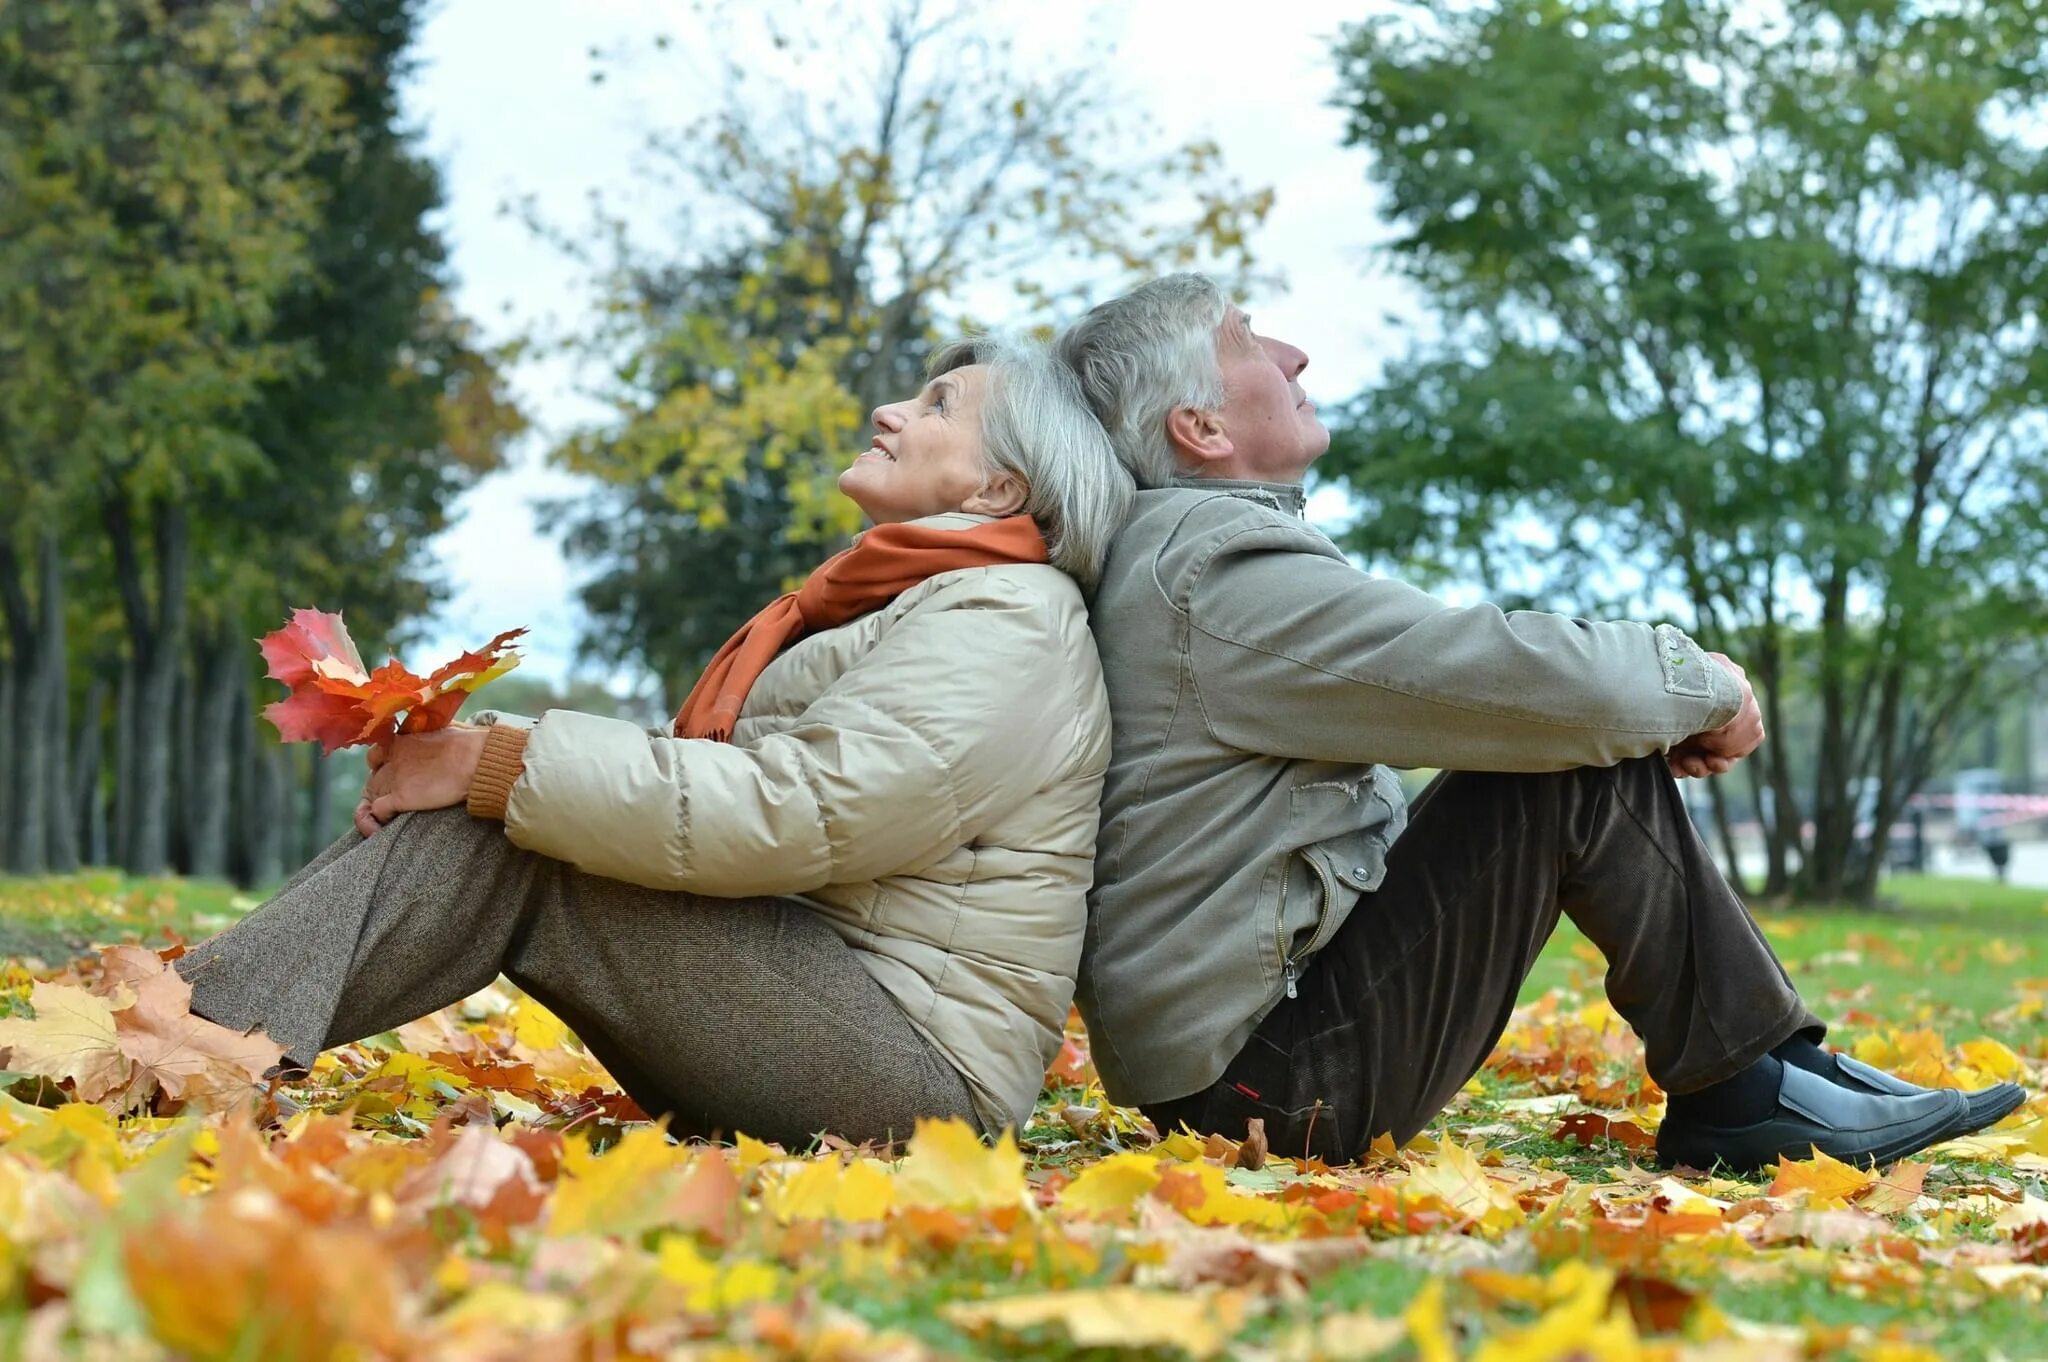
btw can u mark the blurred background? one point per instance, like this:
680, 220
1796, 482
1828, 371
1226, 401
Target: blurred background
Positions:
462, 315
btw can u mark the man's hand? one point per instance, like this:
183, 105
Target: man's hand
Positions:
1717, 751
419, 771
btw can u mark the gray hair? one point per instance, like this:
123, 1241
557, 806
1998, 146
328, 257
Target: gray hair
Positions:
1036, 427
1144, 355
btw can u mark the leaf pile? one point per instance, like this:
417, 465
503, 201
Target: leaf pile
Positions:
335, 702
474, 1187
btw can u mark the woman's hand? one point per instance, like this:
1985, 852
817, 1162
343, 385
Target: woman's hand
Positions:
419, 771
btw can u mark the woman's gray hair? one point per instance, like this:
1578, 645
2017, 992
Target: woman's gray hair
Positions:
1142, 356
1036, 427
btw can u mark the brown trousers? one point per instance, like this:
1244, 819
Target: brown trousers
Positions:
726, 1014
1405, 1003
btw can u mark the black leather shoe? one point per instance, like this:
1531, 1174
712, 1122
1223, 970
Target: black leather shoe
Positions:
1813, 1113
1988, 1106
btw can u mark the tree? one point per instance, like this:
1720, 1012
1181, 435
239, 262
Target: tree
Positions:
230, 382
1743, 317
893, 169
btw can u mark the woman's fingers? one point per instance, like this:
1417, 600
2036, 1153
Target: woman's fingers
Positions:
384, 808
377, 755
366, 822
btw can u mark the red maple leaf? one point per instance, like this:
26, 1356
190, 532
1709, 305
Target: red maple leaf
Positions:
337, 703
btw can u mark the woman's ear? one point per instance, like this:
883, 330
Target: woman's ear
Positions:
1197, 436
1003, 494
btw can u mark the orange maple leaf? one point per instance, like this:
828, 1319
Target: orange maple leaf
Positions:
334, 701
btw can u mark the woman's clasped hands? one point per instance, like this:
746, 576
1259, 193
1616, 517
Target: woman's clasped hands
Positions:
415, 772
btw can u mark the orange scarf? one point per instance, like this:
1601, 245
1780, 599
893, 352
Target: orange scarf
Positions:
882, 564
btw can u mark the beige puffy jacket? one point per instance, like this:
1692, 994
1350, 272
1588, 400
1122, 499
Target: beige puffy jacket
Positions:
927, 777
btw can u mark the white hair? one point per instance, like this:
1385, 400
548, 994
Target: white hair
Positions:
1144, 355
1036, 427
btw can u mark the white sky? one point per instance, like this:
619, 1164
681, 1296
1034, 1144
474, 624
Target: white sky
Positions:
504, 98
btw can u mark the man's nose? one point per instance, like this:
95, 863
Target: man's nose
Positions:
1290, 359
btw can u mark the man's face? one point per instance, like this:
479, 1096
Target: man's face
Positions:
1272, 426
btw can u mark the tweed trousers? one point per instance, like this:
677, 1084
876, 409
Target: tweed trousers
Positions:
1405, 1003
726, 1015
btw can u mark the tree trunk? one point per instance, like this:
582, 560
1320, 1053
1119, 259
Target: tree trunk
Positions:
179, 811
28, 774
1726, 831
156, 637
241, 776
7, 701
213, 712
88, 807
123, 822
266, 813
319, 804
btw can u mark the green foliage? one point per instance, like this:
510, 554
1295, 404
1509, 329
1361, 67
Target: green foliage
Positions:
157, 206
836, 224
230, 382
1742, 319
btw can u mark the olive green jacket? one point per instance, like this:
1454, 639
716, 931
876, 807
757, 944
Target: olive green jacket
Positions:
1261, 688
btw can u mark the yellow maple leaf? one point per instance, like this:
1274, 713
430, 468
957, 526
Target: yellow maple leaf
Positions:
1453, 1178
1112, 1186
1429, 1326
615, 1192
1828, 1182
536, 1028
1199, 1323
709, 1285
948, 1165
1204, 1195
752, 1153
824, 1190
71, 1037
1986, 1061
1584, 1323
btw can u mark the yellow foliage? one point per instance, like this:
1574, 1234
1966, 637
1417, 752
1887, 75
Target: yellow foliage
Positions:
1454, 1179
948, 1165
1112, 1186
1199, 1323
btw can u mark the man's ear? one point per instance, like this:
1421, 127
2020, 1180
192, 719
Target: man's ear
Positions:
1197, 436
1003, 494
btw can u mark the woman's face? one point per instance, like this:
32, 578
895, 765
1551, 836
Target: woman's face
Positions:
926, 457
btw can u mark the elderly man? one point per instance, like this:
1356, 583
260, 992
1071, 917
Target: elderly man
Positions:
1274, 934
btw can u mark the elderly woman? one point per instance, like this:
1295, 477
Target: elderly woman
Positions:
846, 890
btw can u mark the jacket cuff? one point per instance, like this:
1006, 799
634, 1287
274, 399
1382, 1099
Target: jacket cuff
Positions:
504, 758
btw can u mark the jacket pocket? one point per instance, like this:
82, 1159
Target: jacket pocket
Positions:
1337, 826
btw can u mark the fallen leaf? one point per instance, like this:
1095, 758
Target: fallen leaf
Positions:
71, 1039
1828, 1182
198, 1062
1585, 1127
1198, 1323
946, 1164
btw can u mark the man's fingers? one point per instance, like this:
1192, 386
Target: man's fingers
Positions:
377, 756
366, 824
385, 808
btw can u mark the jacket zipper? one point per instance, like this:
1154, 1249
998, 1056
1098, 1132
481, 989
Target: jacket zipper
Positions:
1288, 971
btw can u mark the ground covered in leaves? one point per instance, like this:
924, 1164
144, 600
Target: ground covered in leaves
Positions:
473, 1187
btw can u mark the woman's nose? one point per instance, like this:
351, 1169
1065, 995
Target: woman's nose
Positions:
889, 418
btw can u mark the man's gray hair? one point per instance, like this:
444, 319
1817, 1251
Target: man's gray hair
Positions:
1143, 355
1036, 427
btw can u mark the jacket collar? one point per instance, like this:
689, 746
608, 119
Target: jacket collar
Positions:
1289, 498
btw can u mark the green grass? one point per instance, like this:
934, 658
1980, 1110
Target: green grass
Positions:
1952, 954
1936, 893
53, 918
